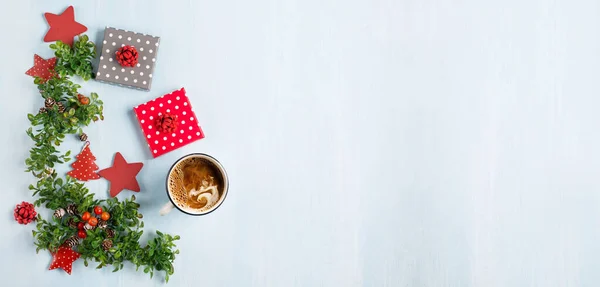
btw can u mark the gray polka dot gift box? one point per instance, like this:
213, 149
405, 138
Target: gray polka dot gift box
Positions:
127, 59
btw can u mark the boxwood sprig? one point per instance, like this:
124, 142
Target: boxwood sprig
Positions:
76, 60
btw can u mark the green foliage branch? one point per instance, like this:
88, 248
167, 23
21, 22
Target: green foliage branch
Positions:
48, 130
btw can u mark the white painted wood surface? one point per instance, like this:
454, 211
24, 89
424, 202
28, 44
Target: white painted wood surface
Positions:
368, 142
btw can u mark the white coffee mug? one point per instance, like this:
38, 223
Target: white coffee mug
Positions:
168, 207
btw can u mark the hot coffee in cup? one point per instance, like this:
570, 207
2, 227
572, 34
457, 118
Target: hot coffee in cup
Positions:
196, 184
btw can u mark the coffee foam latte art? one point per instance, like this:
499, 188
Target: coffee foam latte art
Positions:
193, 198
208, 192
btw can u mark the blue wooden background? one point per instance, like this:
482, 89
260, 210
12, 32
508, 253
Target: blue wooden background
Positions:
368, 142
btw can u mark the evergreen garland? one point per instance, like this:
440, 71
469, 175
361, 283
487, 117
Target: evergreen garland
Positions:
64, 113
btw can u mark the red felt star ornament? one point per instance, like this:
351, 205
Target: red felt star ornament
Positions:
63, 27
42, 68
122, 175
64, 258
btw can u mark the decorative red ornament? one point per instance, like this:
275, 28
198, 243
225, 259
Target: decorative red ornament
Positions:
64, 258
122, 175
86, 216
25, 213
167, 123
63, 27
83, 99
127, 56
84, 165
42, 68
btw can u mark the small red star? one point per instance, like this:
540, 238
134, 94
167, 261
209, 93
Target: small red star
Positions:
64, 258
63, 27
122, 175
42, 68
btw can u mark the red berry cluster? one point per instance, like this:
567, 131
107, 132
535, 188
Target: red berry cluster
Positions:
83, 100
167, 123
91, 220
127, 56
25, 213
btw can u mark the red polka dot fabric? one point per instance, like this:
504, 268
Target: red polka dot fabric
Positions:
188, 129
42, 68
63, 259
84, 166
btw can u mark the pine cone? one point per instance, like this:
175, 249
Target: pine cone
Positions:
72, 241
127, 56
83, 137
43, 110
49, 103
109, 233
61, 107
167, 123
71, 223
102, 224
59, 213
72, 209
24, 213
88, 226
107, 244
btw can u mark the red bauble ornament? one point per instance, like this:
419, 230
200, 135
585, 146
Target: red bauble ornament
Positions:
127, 56
98, 210
80, 225
166, 123
25, 213
81, 234
86, 216
93, 221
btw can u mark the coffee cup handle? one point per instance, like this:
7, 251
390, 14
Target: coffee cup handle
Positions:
166, 208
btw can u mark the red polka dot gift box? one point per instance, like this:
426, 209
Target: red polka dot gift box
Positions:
168, 122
